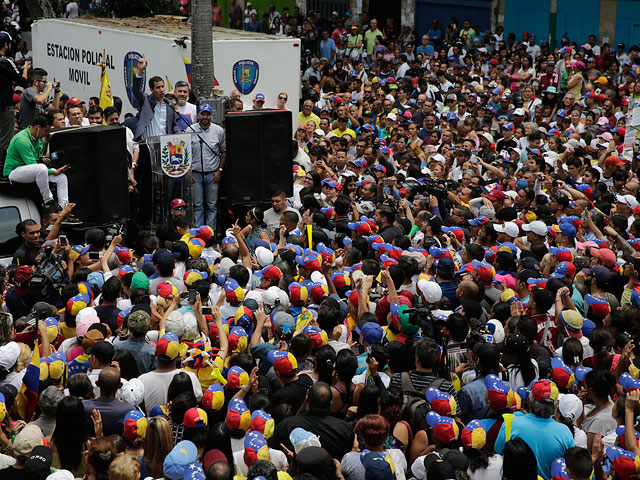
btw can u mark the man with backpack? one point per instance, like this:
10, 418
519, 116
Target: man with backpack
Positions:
415, 383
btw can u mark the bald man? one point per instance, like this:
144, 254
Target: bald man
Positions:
111, 410
336, 436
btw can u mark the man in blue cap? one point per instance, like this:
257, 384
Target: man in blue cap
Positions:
209, 150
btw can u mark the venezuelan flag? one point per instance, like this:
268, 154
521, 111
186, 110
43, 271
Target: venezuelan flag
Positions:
27, 400
187, 67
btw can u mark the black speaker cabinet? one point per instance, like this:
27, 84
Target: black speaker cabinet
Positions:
98, 178
259, 156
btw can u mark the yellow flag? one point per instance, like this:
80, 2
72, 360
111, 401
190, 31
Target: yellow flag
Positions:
106, 97
169, 87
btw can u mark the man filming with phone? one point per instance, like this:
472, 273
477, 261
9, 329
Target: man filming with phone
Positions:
38, 98
26, 164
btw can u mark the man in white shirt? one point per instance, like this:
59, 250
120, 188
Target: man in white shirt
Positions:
187, 111
72, 9
209, 157
156, 383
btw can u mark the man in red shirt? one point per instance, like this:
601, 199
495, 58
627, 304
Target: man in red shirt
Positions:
550, 78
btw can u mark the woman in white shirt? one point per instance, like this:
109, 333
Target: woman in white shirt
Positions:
520, 368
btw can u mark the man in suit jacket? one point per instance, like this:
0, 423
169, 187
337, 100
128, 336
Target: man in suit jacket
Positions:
155, 117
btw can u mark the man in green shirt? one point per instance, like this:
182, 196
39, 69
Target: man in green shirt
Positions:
21, 164
370, 38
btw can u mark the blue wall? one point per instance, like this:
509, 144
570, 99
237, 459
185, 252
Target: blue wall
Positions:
477, 11
627, 23
577, 18
524, 16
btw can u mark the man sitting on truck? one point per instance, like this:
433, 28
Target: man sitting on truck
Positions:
26, 164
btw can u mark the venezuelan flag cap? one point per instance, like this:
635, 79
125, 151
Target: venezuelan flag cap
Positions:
626, 464
135, 425
238, 415
441, 402
213, 397
262, 422
444, 428
474, 435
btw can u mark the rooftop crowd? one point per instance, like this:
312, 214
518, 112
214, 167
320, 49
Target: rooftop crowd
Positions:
451, 292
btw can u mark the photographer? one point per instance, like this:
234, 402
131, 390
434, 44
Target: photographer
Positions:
39, 98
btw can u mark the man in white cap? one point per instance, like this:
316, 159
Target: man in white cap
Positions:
507, 232
536, 233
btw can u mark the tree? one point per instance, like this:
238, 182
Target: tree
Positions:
40, 9
202, 79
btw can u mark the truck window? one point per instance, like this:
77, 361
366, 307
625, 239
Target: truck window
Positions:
9, 242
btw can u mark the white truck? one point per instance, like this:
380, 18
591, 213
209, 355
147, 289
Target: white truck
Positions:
13, 210
253, 63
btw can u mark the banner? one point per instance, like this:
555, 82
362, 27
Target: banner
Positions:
175, 154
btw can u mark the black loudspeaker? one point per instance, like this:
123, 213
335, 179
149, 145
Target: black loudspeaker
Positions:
98, 178
259, 156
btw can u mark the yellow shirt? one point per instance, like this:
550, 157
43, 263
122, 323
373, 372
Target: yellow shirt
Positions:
302, 120
346, 131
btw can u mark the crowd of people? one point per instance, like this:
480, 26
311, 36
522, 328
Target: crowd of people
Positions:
451, 291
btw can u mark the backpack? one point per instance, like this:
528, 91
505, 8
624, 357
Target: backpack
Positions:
414, 402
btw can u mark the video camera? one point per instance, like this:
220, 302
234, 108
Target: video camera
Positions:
432, 186
49, 276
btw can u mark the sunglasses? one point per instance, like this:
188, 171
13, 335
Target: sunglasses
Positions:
282, 98
180, 208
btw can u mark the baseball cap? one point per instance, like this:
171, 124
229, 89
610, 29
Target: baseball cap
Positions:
600, 273
38, 465
573, 322
238, 415
168, 347
538, 227
474, 435
213, 397
237, 378
441, 402
5, 38
175, 464
376, 466
28, 438
139, 322
318, 336
545, 391
599, 306
262, 423
613, 160
259, 97
625, 463
301, 439
444, 428
135, 425
371, 332
75, 101
500, 395
255, 448
606, 255
195, 418
570, 405
509, 228
283, 362
177, 202
205, 107
561, 374
564, 269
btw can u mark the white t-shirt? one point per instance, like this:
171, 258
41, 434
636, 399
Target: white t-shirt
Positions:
72, 10
156, 386
491, 472
85, 122
189, 110
278, 458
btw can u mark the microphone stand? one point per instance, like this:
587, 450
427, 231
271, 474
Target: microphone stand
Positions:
180, 115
